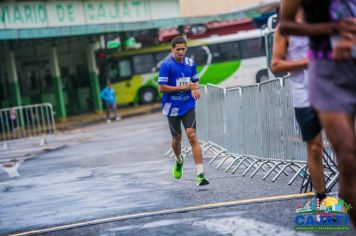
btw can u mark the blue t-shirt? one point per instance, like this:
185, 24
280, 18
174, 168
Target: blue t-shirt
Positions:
108, 94
173, 73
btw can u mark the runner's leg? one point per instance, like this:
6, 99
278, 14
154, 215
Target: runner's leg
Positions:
340, 129
174, 126
189, 123
310, 127
174, 123
315, 164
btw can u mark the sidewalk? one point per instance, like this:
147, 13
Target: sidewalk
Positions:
82, 120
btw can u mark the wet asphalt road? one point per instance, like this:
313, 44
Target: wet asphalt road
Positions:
119, 169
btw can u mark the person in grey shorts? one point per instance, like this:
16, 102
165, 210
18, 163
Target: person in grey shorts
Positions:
331, 27
178, 80
290, 55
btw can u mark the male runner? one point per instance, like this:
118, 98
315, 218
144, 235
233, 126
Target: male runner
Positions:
178, 81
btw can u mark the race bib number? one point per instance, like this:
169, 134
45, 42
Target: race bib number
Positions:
183, 81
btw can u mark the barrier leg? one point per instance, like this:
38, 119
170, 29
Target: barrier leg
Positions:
234, 161
252, 164
332, 183
258, 168
280, 172
216, 156
168, 152
298, 173
223, 161
238, 165
186, 150
305, 184
273, 169
206, 149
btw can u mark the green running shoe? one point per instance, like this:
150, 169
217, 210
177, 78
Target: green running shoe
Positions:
201, 180
178, 170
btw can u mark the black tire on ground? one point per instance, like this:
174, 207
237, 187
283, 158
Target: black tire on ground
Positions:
147, 95
261, 76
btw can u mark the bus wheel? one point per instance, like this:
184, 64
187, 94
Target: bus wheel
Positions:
147, 95
261, 76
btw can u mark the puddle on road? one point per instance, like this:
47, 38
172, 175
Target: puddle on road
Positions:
11, 168
11, 164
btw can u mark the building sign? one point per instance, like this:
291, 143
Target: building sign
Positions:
43, 14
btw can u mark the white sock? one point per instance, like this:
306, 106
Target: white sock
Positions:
179, 159
199, 169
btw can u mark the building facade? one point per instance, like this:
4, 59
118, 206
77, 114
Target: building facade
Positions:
49, 47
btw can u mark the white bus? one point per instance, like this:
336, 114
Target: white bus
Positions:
230, 60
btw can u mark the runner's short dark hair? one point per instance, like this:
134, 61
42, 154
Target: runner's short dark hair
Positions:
178, 40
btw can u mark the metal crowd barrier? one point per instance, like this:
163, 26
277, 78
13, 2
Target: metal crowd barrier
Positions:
253, 128
22, 122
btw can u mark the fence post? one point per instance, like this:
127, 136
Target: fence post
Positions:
241, 109
284, 111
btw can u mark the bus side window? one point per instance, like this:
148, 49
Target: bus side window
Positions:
225, 51
113, 72
161, 56
252, 48
159, 59
143, 63
125, 70
198, 55
119, 70
214, 49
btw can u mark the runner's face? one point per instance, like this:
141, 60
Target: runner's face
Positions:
179, 51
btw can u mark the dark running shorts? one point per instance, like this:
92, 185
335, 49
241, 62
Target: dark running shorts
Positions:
308, 122
111, 106
188, 120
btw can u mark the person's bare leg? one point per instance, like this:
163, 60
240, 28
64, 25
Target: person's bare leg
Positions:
116, 112
197, 155
340, 129
177, 144
315, 163
107, 112
194, 143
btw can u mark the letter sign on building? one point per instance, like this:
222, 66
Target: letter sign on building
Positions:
40, 14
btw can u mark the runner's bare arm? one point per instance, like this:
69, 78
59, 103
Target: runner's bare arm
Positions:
289, 26
163, 88
279, 62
